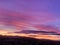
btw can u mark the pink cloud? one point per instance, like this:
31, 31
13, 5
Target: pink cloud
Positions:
47, 28
24, 19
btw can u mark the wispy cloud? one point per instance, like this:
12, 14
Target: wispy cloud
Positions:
22, 20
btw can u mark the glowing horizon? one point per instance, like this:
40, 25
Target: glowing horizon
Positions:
17, 15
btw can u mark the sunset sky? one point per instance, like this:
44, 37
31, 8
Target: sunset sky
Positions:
17, 15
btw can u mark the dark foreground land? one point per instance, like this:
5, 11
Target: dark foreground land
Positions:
14, 40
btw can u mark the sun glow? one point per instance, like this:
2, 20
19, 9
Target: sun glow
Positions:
10, 32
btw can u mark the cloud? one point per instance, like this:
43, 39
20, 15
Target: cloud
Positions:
23, 21
36, 32
47, 28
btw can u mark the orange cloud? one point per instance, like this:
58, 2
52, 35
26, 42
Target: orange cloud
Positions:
23, 21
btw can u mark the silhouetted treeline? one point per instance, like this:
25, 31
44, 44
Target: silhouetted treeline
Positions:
15, 40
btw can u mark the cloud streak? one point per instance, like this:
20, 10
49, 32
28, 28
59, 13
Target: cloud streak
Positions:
23, 21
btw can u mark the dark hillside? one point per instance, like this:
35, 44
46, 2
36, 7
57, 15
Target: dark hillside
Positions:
15, 40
